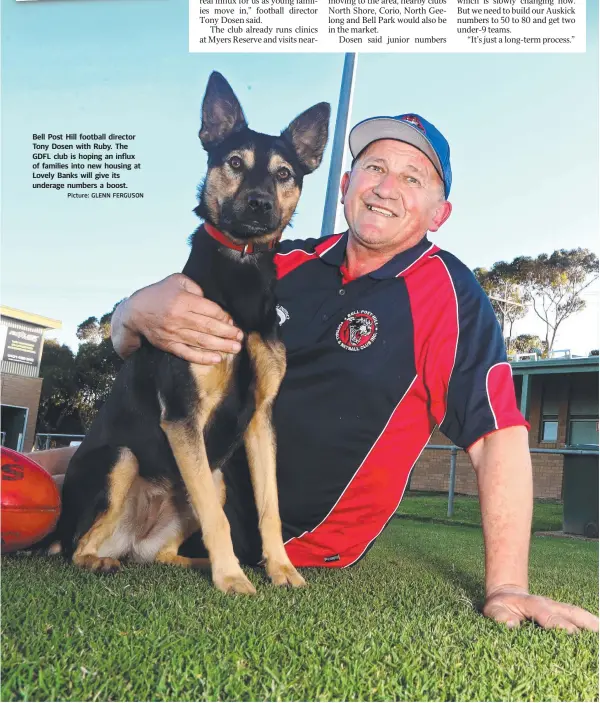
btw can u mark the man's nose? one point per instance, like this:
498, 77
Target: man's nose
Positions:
260, 203
387, 187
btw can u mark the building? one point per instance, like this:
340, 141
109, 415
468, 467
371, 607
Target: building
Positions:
21, 345
559, 398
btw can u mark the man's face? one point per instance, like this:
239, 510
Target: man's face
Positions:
393, 196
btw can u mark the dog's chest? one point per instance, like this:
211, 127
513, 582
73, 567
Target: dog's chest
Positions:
241, 285
248, 298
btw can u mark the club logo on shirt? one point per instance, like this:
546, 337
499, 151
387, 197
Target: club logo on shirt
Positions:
282, 314
357, 331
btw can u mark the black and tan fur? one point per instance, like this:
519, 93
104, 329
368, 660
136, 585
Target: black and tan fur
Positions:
151, 468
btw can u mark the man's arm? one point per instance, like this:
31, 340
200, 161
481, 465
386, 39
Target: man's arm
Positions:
503, 466
174, 316
55, 461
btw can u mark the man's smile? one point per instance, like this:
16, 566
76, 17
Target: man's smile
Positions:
381, 210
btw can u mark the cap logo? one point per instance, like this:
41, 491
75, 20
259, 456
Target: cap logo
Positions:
414, 120
357, 331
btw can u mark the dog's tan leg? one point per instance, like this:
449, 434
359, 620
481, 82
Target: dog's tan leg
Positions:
269, 367
169, 552
173, 559
168, 555
187, 443
217, 477
121, 478
190, 453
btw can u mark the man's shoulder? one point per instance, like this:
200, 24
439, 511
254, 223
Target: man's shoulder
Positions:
461, 276
309, 246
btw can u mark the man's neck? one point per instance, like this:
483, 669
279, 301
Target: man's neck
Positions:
361, 260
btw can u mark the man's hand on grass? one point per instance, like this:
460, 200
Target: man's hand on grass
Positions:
512, 606
504, 475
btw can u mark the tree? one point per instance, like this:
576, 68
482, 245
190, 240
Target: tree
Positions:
504, 292
553, 284
76, 385
89, 331
97, 365
550, 284
526, 344
57, 411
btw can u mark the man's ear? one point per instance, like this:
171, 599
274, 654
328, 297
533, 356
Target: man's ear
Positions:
307, 135
222, 113
441, 215
344, 185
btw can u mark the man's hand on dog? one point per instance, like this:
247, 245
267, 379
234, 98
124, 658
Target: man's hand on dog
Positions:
174, 316
512, 606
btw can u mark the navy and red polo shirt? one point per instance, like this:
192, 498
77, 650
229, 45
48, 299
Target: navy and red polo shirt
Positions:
373, 366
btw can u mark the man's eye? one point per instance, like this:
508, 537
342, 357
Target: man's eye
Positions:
374, 167
236, 163
413, 181
283, 173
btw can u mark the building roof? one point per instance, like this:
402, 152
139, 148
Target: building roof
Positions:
33, 319
573, 365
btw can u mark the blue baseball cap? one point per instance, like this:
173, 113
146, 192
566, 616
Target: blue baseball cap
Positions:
412, 129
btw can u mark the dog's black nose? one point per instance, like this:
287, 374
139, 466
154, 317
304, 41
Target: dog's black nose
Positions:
260, 203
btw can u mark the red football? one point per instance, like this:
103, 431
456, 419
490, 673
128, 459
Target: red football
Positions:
30, 502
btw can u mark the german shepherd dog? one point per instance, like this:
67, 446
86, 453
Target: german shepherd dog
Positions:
150, 471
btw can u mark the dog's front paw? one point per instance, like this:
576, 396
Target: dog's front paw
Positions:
284, 574
233, 582
101, 565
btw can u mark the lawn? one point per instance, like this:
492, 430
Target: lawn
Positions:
401, 625
417, 505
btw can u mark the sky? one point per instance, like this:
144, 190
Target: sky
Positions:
523, 132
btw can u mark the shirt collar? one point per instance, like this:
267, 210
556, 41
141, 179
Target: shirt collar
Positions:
335, 253
396, 266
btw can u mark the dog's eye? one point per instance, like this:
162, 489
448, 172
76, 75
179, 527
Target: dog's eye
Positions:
283, 173
236, 163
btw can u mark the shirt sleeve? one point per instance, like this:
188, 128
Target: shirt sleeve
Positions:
481, 395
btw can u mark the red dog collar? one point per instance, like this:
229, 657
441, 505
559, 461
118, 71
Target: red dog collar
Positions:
250, 248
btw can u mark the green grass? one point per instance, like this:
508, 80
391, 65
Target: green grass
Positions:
434, 507
401, 625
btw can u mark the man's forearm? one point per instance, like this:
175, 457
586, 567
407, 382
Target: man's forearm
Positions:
125, 340
173, 315
504, 476
55, 461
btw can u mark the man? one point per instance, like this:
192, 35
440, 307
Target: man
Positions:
387, 336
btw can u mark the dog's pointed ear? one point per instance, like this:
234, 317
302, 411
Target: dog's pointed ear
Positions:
222, 113
308, 133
